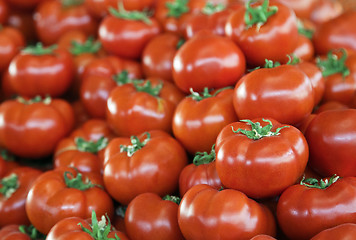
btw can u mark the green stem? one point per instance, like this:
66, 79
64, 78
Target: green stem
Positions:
333, 64
171, 198
32, 232
77, 182
146, 86
38, 99
211, 8
89, 46
39, 50
258, 15
177, 8
136, 144
123, 78
91, 146
122, 13
121, 211
322, 184
180, 43
304, 31
9, 185
257, 131
7, 156
204, 157
205, 93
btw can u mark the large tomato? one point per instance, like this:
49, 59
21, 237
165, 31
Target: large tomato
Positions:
32, 128
207, 60
127, 161
340, 232
260, 157
20, 232
226, 214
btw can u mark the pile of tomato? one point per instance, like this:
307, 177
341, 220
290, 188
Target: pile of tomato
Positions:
177, 119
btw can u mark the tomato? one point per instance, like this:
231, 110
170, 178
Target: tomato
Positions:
201, 171
263, 31
64, 192
305, 209
260, 157
84, 229
127, 161
53, 18
24, 4
262, 237
204, 113
302, 8
336, 33
36, 125
17, 232
23, 21
11, 41
158, 54
41, 71
225, 214
331, 105
123, 34
93, 130
304, 49
151, 102
325, 10
207, 60
330, 138
148, 216
341, 232
4, 12
7, 162
284, 93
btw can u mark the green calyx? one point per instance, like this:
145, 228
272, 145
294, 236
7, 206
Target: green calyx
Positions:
146, 86
180, 43
123, 78
38, 99
39, 50
121, 211
91, 146
211, 8
171, 198
6, 155
77, 182
70, 3
258, 15
205, 93
89, 46
177, 8
322, 184
136, 144
304, 31
204, 157
99, 230
333, 64
32, 232
122, 13
257, 131
9, 185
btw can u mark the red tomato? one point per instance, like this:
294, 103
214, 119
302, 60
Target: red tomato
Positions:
4, 12
63, 192
14, 188
284, 93
53, 18
302, 8
261, 157
23, 21
150, 162
36, 125
226, 214
93, 130
148, 216
308, 208
331, 105
201, 171
7, 162
151, 102
125, 35
17, 232
304, 49
263, 31
262, 237
207, 60
325, 10
41, 71
84, 229
331, 138
341, 232
203, 114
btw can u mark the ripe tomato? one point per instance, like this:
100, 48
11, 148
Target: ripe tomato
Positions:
36, 125
93, 130
331, 105
225, 214
341, 232
23, 21
148, 216
304, 49
11, 41
20, 232
63, 192
127, 161
4, 12
7, 162
207, 60
260, 157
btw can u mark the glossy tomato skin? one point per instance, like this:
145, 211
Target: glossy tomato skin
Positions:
331, 105
36, 127
127, 108
126, 38
273, 40
12, 232
234, 215
51, 200
304, 49
150, 217
263, 167
48, 74
341, 232
52, 19
12, 209
93, 130
303, 212
162, 154
192, 118
331, 141
284, 93
11, 41
207, 60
